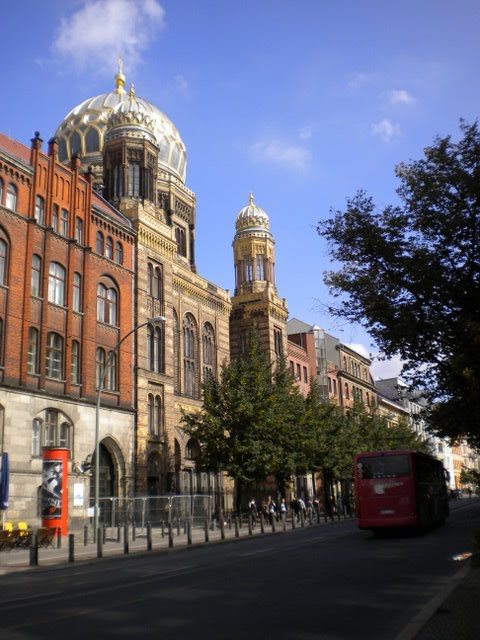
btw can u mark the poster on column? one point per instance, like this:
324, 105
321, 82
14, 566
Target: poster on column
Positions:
52, 477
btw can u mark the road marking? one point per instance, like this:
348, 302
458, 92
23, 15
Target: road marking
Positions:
256, 553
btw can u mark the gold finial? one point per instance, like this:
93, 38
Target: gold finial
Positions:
251, 197
131, 93
120, 78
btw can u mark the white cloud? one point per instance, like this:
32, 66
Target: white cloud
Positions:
400, 96
306, 133
383, 369
359, 348
280, 153
386, 130
101, 30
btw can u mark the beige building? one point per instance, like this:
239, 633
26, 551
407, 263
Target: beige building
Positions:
139, 160
256, 302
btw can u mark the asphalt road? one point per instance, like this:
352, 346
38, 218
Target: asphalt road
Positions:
323, 583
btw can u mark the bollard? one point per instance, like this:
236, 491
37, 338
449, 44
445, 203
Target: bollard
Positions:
294, 521
163, 529
262, 524
185, 527
85, 535
118, 533
222, 529
99, 543
240, 523
250, 525
125, 539
338, 513
237, 533
284, 522
302, 519
149, 536
134, 532
71, 547
59, 538
273, 523
170, 535
34, 551
214, 524
206, 530
104, 534
318, 516
178, 526
189, 532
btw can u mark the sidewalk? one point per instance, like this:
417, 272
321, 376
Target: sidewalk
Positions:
455, 613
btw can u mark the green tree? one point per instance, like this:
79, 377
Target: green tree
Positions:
248, 425
410, 274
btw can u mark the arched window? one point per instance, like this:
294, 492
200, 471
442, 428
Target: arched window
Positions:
77, 292
155, 414
99, 246
208, 344
155, 348
248, 265
189, 356
55, 217
347, 395
260, 267
118, 253
111, 307
99, 365
32, 354
134, 180
157, 291
111, 380
101, 302
52, 428
176, 353
3, 261
117, 181
150, 414
56, 284
180, 237
107, 302
11, 201
39, 210
54, 356
79, 230
149, 279
64, 223
75, 363
109, 248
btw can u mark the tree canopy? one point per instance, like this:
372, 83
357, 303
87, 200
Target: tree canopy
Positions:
410, 274
255, 423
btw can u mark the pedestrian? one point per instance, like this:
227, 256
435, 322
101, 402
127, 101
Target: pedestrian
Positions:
252, 510
283, 509
272, 508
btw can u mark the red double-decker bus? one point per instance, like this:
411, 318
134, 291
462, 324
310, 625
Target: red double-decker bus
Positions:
399, 489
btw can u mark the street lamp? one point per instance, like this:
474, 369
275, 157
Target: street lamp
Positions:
101, 383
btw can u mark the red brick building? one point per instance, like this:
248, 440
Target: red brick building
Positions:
66, 281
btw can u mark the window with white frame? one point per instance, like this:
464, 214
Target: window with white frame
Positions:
51, 428
3, 261
75, 363
36, 276
56, 284
11, 201
54, 356
77, 292
32, 353
39, 210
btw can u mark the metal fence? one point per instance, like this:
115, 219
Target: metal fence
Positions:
115, 512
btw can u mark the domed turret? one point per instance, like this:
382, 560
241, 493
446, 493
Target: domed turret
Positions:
252, 220
84, 129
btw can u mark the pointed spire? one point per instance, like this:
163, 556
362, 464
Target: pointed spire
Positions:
131, 93
120, 78
251, 197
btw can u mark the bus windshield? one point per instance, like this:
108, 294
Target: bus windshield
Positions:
383, 466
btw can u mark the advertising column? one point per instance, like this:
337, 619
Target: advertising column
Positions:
54, 497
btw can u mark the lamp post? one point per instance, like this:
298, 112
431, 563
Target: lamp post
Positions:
101, 383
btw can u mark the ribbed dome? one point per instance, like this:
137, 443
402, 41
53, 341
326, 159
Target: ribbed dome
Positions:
83, 129
252, 216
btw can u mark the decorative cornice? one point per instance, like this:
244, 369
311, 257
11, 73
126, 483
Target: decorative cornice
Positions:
158, 243
202, 295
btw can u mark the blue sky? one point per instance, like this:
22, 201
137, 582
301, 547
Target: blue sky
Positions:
300, 102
